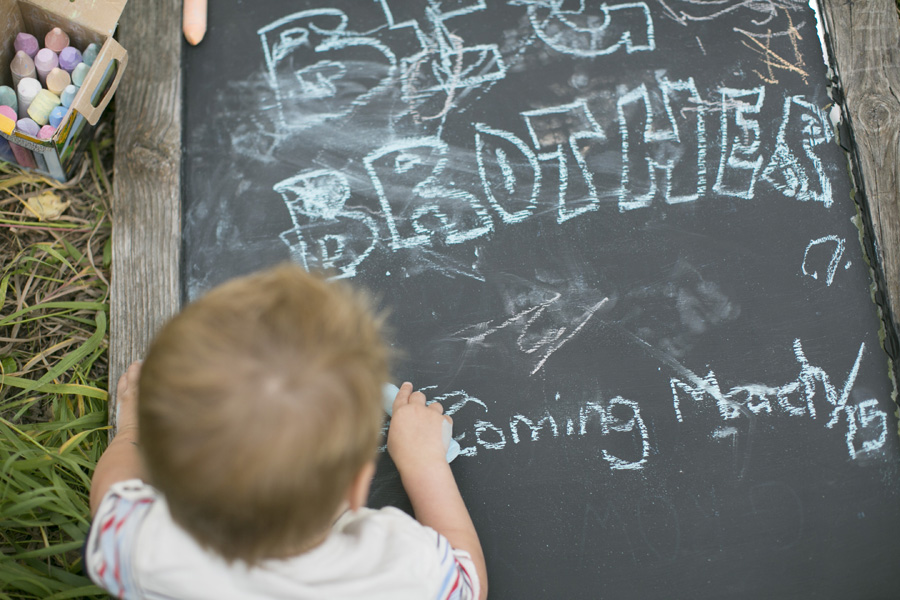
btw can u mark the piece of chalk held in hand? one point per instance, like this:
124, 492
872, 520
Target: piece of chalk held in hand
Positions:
389, 392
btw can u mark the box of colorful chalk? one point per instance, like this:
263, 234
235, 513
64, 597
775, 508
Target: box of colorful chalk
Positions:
59, 68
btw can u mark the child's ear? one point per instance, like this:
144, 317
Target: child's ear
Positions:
359, 489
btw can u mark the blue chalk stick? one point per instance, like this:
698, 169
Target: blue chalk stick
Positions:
90, 54
68, 95
57, 114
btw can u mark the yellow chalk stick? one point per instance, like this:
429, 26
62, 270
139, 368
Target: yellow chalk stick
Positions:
42, 105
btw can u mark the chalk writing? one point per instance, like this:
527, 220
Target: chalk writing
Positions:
422, 206
489, 436
445, 67
452, 214
574, 31
867, 424
795, 398
325, 235
740, 161
494, 149
543, 322
786, 170
759, 14
321, 71
581, 130
836, 255
761, 43
660, 158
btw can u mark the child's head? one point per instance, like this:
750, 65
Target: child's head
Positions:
259, 404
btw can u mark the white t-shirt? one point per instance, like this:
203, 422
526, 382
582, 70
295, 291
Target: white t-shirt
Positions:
135, 550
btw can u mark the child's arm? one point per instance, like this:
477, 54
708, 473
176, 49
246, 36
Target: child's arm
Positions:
121, 460
415, 444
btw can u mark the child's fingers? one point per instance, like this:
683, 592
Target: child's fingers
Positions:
403, 395
417, 398
134, 370
133, 373
129, 378
439, 408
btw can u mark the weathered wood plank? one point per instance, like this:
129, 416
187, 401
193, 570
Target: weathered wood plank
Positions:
865, 42
146, 210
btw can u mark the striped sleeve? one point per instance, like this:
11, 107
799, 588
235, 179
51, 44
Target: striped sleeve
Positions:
111, 541
460, 581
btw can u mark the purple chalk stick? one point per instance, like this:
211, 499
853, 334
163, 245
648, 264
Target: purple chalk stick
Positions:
69, 58
28, 126
26, 43
45, 61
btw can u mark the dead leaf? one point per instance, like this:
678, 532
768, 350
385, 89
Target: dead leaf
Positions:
47, 207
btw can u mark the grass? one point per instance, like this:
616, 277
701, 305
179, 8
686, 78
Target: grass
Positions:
53, 371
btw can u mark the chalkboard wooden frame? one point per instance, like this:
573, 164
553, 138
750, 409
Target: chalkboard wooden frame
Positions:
146, 208
867, 69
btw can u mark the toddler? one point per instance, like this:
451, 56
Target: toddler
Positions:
246, 445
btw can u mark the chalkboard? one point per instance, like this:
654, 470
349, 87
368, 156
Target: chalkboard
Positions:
619, 243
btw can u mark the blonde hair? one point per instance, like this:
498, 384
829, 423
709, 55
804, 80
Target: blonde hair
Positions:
258, 405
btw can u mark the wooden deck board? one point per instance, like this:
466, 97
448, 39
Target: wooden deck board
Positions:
865, 45
146, 210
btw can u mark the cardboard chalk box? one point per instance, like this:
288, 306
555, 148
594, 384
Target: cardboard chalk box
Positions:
86, 22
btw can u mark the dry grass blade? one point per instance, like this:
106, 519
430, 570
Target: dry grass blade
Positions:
53, 371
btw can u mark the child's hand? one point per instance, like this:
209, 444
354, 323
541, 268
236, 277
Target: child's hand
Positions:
415, 436
126, 398
416, 444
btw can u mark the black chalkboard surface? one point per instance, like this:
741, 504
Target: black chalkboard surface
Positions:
619, 244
